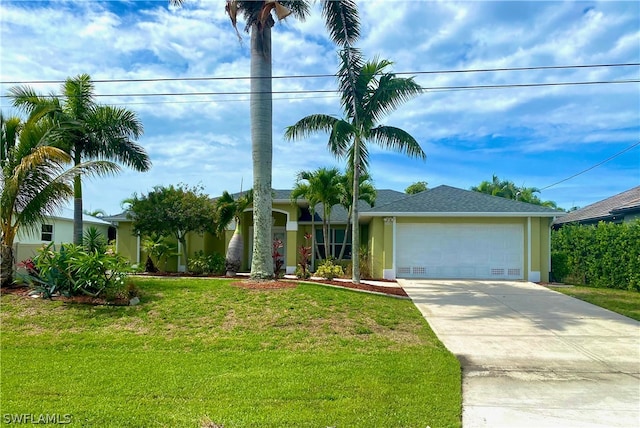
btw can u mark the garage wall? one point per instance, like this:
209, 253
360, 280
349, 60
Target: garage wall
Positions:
537, 262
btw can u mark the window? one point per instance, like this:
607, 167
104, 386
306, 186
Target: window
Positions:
47, 232
336, 237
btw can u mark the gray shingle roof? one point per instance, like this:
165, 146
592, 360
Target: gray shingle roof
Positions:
446, 199
605, 209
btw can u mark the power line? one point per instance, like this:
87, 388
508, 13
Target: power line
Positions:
592, 167
325, 91
307, 76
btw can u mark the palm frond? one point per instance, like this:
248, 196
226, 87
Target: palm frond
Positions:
388, 95
342, 21
310, 125
398, 140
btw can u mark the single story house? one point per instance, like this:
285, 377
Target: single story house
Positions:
623, 207
57, 228
443, 232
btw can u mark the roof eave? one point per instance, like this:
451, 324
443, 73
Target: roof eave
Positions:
462, 214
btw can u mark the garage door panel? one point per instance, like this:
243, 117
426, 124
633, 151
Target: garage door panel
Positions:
476, 251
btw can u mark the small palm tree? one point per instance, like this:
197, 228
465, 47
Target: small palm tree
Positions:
368, 93
230, 209
366, 192
35, 178
99, 132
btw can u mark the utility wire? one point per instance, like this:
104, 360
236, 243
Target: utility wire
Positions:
307, 76
592, 167
325, 91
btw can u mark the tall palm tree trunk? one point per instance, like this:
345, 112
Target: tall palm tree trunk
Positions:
355, 225
77, 210
6, 265
261, 142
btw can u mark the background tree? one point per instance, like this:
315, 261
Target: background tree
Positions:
366, 192
173, 211
98, 131
35, 179
417, 187
230, 209
375, 94
508, 189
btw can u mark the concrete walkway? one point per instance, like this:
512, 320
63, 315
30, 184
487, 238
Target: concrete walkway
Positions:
532, 357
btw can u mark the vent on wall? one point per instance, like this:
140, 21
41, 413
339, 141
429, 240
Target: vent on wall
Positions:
418, 270
497, 272
404, 270
513, 272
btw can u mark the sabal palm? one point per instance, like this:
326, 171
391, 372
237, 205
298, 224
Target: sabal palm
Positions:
373, 94
230, 209
366, 192
322, 187
35, 178
342, 22
99, 132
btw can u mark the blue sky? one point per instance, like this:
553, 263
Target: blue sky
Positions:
535, 136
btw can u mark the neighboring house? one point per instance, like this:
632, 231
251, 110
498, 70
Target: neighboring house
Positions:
443, 232
57, 229
623, 207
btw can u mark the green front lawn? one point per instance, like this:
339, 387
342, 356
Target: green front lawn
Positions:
624, 302
201, 352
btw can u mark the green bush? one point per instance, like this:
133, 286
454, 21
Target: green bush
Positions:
329, 270
606, 255
75, 271
211, 264
559, 266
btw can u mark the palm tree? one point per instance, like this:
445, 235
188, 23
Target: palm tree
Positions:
374, 94
35, 180
230, 209
366, 192
342, 21
322, 187
100, 132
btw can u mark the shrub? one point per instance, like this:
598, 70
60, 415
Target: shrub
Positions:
74, 271
201, 264
278, 260
559, 266
329, 270
93, 240
606, 255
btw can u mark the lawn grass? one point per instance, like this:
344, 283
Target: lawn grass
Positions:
202, 352
624, 302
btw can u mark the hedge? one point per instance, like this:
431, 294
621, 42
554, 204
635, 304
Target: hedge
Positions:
606, 255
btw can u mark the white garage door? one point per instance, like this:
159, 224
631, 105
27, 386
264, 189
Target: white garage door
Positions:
469, 250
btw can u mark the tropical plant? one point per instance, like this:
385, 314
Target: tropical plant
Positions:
417, 187
368, 93
304, 259
173, 211
366, 192
229, 209
208, 264
342, 22
322, 186
98, 131
278, 260
95, 213
160, 248
35, 178
94, 241
72, 271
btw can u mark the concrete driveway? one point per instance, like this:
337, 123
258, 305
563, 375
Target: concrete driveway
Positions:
532, 357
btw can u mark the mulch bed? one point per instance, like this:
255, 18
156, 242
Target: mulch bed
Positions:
23, 290
291, 283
